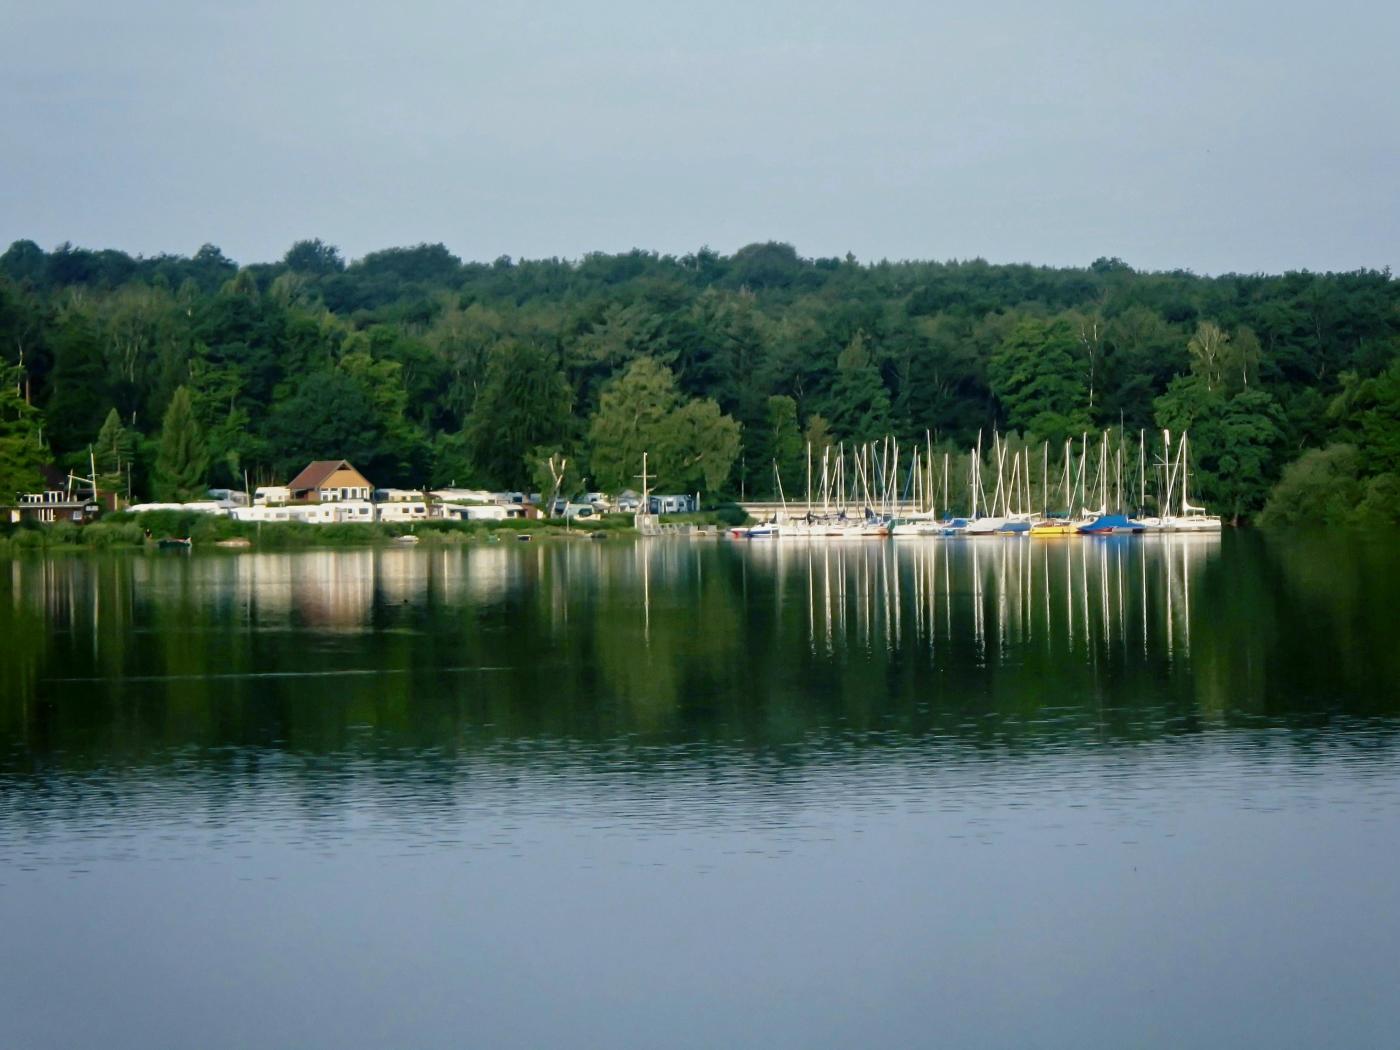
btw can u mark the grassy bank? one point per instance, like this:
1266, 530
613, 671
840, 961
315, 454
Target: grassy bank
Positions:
128, 531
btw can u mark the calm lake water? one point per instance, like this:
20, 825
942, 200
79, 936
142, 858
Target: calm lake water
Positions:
1131, 792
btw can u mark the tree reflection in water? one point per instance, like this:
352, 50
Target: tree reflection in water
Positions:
111, 658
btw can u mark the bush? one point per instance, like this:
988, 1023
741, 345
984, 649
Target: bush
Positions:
731, 514
105, 534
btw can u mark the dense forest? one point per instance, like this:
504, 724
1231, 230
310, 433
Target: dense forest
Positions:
175, 373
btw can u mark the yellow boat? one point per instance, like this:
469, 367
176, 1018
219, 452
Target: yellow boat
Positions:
1057, 527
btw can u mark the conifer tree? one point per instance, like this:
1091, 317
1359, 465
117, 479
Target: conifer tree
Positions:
22, 454
114, 452
182, 460
860, 404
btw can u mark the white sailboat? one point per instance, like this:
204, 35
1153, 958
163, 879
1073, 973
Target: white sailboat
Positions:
1192, 518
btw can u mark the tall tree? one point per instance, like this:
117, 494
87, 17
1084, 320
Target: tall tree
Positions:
1234, 441
524, 403
1210, 349
22, 454
631, 411
79, 398
697, 446
860, 404
1034, 375
182, 460
693, 444
785, 449
817, 436
114, 453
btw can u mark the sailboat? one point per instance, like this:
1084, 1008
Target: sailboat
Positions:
922, 521
1104, 523
1191, 518
1019, 521
985, 525
1061, 523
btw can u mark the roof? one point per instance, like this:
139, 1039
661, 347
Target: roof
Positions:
316, 473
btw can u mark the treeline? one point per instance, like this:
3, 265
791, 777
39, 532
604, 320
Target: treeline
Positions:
174, 372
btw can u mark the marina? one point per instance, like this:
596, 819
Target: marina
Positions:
874, 501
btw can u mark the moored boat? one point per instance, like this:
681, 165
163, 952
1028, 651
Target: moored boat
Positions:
1108, 524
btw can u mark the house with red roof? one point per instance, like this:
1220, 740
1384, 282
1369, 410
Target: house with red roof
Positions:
329, 481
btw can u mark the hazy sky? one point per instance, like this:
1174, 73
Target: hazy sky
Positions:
1210, 136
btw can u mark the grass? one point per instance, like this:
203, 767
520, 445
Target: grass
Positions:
129, 531
125, 530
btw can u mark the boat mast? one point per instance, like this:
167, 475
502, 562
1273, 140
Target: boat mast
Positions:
928, 469
1069, 455
1142, 471
1184, 471
945, 484
809, 480
1118, 479
976, 473
1026, 456
1045, 480
1168, 474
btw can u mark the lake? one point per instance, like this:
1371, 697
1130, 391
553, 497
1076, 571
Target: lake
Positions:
1129, 791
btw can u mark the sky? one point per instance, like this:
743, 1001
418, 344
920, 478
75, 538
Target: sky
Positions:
1215, 137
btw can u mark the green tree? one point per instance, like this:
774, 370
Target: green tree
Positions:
451, 461
1036, 377
1378, 420
1234, 441
75, 408
328, 418
860, 404
817, 436
22, 454
785, 447
692, 445
400, 452
1242, 358
224, 417
631, 411
1210, 354
524, 402
1321, 487
182, 460
314, 257
114, 453
697, 445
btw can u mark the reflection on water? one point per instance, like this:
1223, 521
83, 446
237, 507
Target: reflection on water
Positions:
682, 641
1074, 597
827, 791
